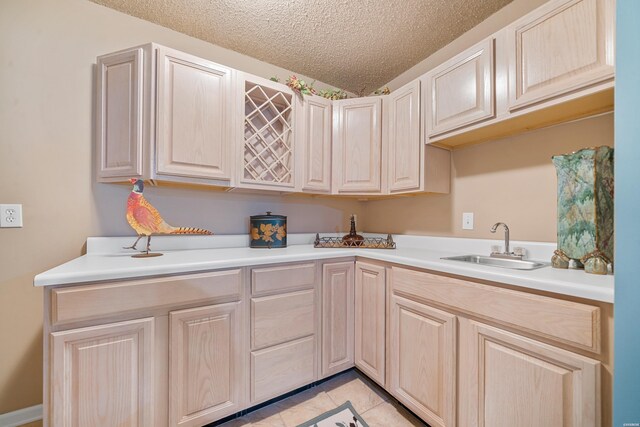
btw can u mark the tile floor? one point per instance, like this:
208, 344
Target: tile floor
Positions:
376, 407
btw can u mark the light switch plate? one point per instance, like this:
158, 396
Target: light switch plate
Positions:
10, 216
467, 221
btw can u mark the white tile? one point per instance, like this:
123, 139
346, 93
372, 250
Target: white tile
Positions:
351, 387
304, 406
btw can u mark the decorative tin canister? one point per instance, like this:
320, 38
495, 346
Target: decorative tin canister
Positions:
585, 209
268, 231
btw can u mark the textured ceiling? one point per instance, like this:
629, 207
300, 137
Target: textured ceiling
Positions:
357, 45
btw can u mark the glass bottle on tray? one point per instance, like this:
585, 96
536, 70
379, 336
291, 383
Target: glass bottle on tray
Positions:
353, 238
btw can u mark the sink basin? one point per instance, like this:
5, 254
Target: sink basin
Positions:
515, 264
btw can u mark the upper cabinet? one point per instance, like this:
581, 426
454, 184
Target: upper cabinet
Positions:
119, 114
560, 47
163, 114
266, 141
357, 145
553, 65
377, 148
461, 91
313, 164
405, 160
193, 115
167, 116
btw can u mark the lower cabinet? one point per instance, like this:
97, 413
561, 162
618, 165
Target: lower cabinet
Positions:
337, 317
205, 372
182, 363
452, 370
370, 324
276, 319
209, 345
508, 380
423, 360
283, 333
103, 375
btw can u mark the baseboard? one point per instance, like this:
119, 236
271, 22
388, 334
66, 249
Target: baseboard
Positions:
21, 416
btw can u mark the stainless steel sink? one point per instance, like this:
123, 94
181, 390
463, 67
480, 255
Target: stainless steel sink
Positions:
515, 264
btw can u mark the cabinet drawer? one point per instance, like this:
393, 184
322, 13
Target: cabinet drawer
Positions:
569, 322
279, 318
87, 302
277, 370
282, 278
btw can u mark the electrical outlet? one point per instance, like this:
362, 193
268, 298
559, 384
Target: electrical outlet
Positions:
10, 216
467, 221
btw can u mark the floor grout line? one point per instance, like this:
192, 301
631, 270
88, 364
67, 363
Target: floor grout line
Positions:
374, 406
334, 402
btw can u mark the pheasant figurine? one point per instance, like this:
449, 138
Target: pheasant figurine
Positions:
146, 220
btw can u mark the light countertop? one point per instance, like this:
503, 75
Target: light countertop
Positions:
106, 260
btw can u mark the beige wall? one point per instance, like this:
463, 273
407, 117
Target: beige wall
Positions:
47, 49
510, 180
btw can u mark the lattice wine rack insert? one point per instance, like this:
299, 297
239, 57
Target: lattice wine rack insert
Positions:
268, 153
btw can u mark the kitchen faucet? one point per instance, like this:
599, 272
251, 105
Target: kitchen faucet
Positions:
506, 253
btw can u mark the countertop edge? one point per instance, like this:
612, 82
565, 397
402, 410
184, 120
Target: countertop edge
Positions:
507, 277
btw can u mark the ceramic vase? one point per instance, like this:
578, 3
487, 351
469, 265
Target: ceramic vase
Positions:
585, 210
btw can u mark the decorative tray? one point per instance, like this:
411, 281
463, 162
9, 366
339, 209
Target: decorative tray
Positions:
367, 243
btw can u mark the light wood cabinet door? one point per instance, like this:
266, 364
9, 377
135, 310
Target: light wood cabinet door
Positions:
314, 144
461, 91
403, 138
423, 360
508, 380
357, 145
119, 114
337, 317
561, 47
370, 321
194, 124
102, 376
205, 371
